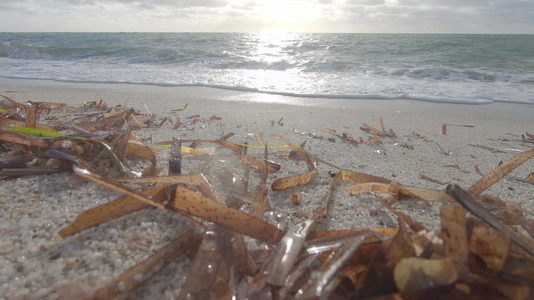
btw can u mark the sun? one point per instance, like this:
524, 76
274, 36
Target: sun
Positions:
287, 16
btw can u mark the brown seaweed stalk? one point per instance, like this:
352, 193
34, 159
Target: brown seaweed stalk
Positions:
210, 253
499, 172
109, 211
478, 210
399, 191
346, 175
191, 202
324, 282
125, 190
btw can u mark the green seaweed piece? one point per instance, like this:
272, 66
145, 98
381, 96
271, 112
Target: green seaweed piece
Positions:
32, 131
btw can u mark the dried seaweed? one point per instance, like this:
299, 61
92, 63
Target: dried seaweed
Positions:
467, 258
191, 202
500, 172
109, 211
444, 127
478, 210
207, 263
454, 232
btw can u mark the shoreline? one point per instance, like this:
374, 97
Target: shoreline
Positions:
246, 90
36, 261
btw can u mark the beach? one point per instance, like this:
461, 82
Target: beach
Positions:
38, 264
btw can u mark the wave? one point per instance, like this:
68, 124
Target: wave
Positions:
145, 55
448, 73
443, 68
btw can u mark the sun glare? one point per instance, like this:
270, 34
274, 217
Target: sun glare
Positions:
290, 15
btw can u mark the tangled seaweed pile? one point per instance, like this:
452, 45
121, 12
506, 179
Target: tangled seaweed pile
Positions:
476, 254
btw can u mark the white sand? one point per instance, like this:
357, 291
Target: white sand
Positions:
37, 263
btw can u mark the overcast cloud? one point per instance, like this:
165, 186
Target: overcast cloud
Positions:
406, 16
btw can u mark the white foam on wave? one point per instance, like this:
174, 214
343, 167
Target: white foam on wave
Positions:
303, 95
318, 66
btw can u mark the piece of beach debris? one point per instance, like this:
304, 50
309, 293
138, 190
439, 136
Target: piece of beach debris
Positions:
175, 159
323, 284
227, 136
139, 149
454, 232
15, 103
21, 139
415, 274
375, 139
349, 139
487, 148
180, 109
177, 124
293, 181
192, 203
443, 151
296, 197
412, 224
207, 263
276, 269
328, 130
527, 138
444, 127
484, 238
382, 125
259, 137
378, 132
478, 210
422, 137
499, 172
399, 191
262, 165
109, 211
260, 205
31, 115
425, 177
370, 129
477, 169
302, 179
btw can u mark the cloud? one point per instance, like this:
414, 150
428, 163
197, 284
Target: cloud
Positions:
19, 5
452, 16
154, 3
366, 2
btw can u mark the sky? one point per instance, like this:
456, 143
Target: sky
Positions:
360, 16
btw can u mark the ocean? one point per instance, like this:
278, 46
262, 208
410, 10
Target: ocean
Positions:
429, 67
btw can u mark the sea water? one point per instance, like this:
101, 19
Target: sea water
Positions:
430, 67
